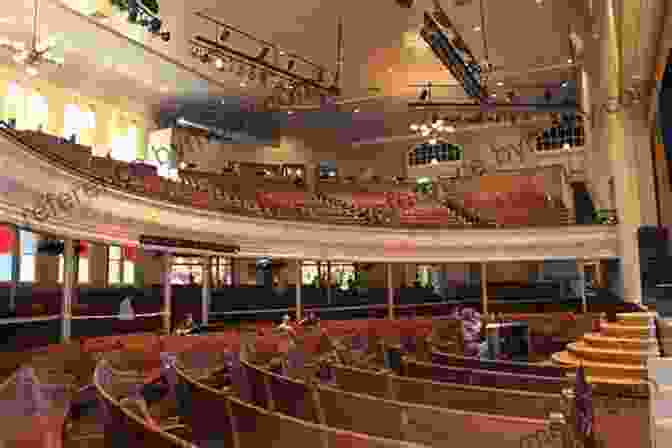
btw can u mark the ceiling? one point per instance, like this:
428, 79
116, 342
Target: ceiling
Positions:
381, 47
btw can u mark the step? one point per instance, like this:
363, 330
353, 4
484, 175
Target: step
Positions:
618, 330
616, 373
610, 355
637, 319
598, 340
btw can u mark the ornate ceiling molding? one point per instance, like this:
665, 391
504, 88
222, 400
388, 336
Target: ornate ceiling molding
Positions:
136, 214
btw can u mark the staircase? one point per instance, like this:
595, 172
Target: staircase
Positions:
618, 354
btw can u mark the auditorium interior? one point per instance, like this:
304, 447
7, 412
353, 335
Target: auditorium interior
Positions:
387, 223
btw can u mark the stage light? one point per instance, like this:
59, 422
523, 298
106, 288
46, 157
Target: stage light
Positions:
224, 36
291, 64
263, 53
424, 94
155, 25
165, 36
219, 64
414, 127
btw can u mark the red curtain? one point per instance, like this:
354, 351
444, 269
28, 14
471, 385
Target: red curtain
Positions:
7, 239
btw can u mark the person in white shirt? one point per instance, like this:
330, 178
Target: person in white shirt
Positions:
126, 309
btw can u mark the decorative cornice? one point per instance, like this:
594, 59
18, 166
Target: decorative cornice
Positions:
298, 240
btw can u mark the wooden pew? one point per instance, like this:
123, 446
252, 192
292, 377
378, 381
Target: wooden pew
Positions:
254, 426
453, 360
387, 418
130, 430
489, 378
516, 403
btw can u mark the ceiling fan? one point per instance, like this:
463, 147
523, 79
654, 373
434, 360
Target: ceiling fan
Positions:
37, 53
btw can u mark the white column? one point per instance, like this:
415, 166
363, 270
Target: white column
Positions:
624, 173
390, 292
167, 292
206, 290
69, 272
298, 280
484, 287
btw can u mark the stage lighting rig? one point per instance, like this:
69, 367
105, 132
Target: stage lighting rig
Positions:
266, 63
144, 14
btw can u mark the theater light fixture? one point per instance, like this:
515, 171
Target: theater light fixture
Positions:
294, 79
143, 14
37, 53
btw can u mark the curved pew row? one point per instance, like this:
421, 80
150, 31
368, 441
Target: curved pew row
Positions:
126, 427
412, 422
217, 418
523, 368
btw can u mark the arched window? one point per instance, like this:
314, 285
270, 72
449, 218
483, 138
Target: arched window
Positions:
73, 121
124, 147
426, 153
15, 106
37, 112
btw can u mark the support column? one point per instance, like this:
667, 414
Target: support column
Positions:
298, 279
206, 290
581, 289
69, 273
390, 292
16, 263
484, 287
167, 292
623, 171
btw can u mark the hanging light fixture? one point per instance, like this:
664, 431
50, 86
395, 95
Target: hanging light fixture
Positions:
434, 129
35, 55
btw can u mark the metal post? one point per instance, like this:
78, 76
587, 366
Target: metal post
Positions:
68, 286
16, 262
484, 287
390, 292
167, 292
298, 281
206, 292
329, 282
581, 290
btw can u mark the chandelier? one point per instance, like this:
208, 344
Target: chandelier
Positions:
433, 130
37, 54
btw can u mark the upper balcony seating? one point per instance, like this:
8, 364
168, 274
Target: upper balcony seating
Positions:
374, 203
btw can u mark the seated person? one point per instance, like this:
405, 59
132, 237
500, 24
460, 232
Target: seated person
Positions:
188, 326
310, 320
286, 323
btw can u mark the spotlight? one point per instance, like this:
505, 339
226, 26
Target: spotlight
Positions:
165, 36
424, 94
291, 64
155, 25
205, 58
564, 84
224, 36
263, 53
219, 64
132, 14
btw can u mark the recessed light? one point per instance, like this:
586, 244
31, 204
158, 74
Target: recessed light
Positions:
289, 112
389, 70
477, 28
494, 95
500, 83
434, 162
282, 53
356, 110
243, 84
566, 146
570, 61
